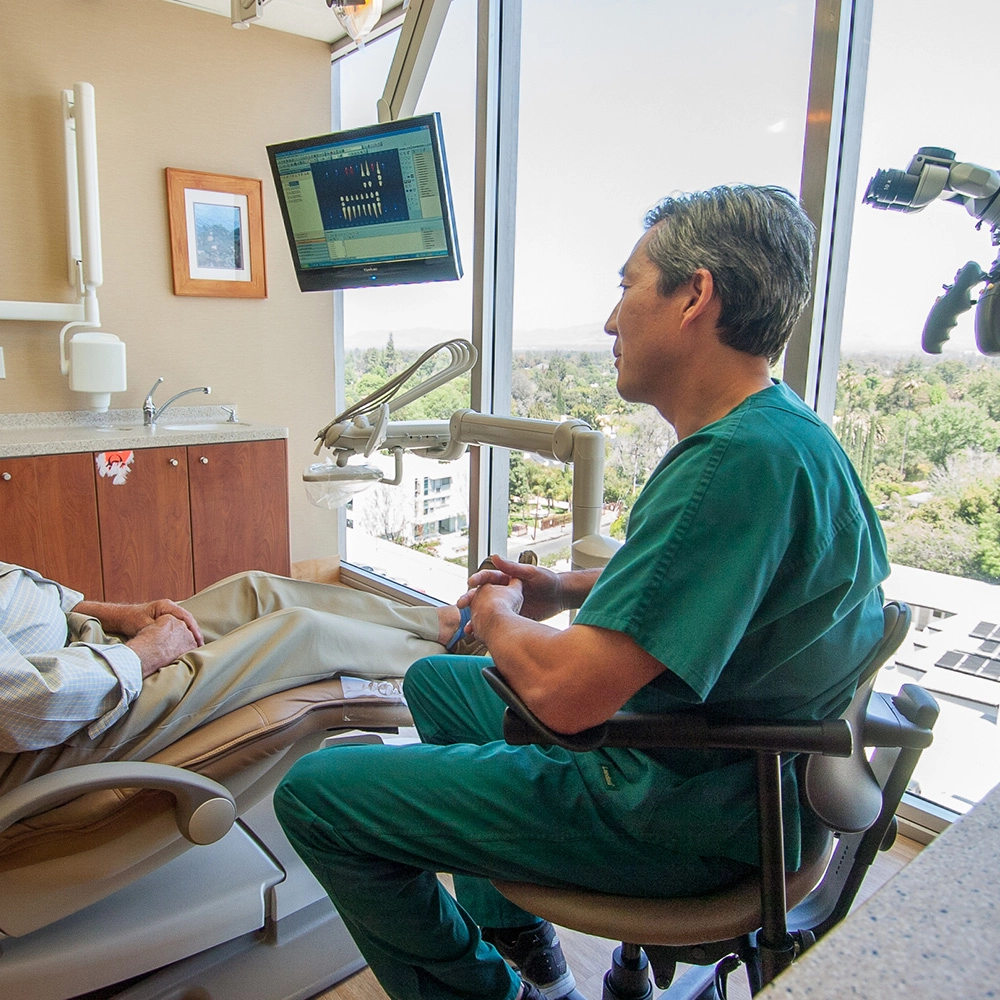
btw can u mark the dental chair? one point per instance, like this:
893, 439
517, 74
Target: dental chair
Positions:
170, 877
764, 921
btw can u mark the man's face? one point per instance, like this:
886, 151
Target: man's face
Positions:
644, 324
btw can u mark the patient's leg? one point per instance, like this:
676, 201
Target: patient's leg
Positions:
246, 596
282, 650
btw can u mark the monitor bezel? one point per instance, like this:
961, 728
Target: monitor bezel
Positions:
375, 274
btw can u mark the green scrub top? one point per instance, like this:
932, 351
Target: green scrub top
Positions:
751, 571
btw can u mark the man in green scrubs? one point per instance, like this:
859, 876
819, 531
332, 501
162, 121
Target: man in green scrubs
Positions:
748, 583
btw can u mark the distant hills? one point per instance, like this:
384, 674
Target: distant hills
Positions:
589, 337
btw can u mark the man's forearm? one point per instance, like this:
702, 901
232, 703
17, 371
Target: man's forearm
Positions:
111, 616
575, 585
572, 678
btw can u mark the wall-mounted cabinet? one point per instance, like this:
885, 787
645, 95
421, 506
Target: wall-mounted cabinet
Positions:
181, 518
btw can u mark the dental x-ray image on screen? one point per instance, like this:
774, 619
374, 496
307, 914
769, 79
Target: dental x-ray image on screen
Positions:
368, 206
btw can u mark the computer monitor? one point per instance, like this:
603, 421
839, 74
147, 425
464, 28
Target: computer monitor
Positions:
368, 206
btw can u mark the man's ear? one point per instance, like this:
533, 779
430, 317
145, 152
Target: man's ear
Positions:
701, 298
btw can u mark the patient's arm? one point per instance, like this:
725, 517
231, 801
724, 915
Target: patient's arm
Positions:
128, 620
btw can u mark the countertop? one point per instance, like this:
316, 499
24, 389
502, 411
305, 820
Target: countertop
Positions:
931, 931
26, 434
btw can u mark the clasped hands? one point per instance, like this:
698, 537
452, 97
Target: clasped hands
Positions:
158, 632
511, 588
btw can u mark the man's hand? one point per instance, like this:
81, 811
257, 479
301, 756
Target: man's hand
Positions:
161, 642
128, 620
545, 593
540, 588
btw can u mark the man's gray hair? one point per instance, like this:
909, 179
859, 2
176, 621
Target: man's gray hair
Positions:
757, 242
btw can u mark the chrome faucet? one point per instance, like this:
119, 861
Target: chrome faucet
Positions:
151, 413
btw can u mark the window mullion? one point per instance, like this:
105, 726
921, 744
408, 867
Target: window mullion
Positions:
837, 82
498, 73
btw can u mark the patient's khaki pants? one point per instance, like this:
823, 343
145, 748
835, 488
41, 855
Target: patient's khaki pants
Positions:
263, 634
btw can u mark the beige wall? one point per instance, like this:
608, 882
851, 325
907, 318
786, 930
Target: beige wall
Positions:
180, 88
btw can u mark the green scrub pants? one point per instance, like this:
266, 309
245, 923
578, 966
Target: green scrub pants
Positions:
375, 823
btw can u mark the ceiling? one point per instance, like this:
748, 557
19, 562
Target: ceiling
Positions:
310, 18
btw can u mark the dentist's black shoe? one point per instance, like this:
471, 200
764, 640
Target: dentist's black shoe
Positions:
538, 957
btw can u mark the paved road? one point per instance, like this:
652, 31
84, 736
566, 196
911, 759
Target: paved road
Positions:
542, 546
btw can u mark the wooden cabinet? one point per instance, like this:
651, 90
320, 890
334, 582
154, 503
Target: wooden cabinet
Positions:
145, 524
48, 519
246, 484
179, 519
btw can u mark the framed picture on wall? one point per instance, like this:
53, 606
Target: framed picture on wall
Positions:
216, 234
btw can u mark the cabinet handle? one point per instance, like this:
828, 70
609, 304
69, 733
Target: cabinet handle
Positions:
6, 477
173, 461
203, 460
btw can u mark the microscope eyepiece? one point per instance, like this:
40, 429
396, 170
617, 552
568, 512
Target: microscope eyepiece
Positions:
892, 189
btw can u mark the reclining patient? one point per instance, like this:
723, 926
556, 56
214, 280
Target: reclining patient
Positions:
84, 681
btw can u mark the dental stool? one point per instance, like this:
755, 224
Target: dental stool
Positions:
112, 871
764, 921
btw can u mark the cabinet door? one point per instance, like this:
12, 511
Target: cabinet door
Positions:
48, 519
145, 525
239, 509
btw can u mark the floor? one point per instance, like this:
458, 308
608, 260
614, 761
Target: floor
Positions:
589, 956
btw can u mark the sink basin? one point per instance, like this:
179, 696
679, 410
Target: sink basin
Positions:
211, 425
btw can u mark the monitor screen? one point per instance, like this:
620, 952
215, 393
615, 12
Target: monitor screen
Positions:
368, 206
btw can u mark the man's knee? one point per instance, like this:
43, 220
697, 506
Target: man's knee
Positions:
292, 795
300, 619
301, 795
422, 678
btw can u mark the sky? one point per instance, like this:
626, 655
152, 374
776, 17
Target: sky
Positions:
639, 100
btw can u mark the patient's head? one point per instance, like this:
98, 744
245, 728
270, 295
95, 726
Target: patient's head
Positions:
756, 241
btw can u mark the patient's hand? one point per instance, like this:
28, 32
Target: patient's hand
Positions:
162, 642
156, 609
128, 620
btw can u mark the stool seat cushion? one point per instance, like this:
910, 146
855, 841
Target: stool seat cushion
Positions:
678, 922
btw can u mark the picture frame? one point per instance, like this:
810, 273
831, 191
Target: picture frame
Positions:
216, 234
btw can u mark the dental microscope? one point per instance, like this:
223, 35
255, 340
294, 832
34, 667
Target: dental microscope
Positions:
934, 174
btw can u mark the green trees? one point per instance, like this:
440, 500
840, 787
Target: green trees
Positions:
923, 433
924, 437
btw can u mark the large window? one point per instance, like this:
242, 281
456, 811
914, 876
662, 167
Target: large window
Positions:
611, 108
635, 102
924, 430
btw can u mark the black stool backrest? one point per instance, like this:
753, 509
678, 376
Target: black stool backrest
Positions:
843, 791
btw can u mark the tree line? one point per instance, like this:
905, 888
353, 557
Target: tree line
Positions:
923, 433
924, 436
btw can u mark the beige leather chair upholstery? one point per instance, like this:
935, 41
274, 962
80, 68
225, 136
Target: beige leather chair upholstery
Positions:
89, 855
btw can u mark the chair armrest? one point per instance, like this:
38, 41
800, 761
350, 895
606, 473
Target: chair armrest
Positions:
205, 810
644, 731
903, 720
